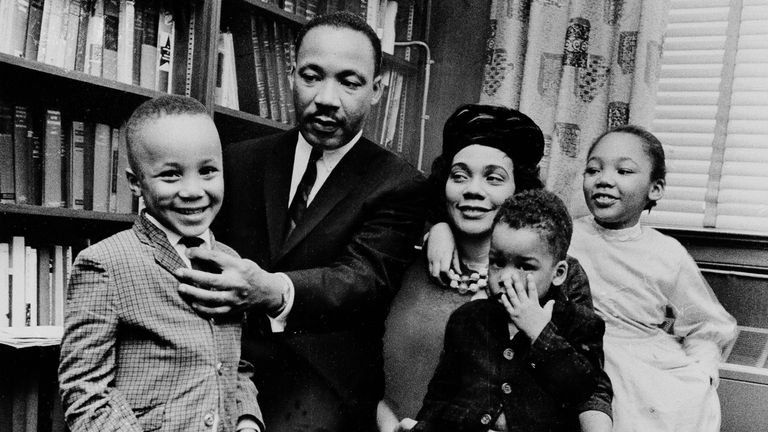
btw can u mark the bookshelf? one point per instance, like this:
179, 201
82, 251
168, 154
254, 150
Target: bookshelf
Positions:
100, 93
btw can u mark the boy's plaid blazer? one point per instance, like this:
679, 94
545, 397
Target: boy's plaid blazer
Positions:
135, 356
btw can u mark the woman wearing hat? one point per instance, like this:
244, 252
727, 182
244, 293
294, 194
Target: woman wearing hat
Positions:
489, 153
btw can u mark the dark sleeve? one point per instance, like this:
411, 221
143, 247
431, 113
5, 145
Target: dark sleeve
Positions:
576, 290
362, 280
463, 371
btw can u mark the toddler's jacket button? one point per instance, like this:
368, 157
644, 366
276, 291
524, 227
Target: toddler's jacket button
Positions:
508, 353
486, 419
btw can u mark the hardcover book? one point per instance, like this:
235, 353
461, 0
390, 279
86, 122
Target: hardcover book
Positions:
7, 178
111, 34
94, 45
34, 23
165, 47
52, 166
22, 154
148, 73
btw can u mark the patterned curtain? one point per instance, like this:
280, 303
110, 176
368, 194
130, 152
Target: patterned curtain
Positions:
577, 68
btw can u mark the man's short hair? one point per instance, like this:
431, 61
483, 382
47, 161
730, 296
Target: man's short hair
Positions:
543, 212
344, 19
153, 109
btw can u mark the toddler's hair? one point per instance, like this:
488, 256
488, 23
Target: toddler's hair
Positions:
652, 147
541, 211
154, 109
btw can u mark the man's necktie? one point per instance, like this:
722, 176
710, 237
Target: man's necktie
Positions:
198, 264
299, 203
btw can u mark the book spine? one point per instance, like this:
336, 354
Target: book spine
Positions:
30, 286
165, 47
59, 283
18, 276
111, 34
36, 173
100, 164
44, 292
33, 29
114, 170
82, 35
21, 154
43, 41
54, 54
300, 7
289, 6
268, 49
88, 166
124, 195
19, 30
288, 59
125, 40
76, 169
52, 169
311, 9
72, 30
7, 178
138, 39
95, 40
149, 46
260, 69
280, 75
5, 287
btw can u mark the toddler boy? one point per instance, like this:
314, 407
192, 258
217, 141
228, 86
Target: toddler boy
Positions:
134, 355
528, 357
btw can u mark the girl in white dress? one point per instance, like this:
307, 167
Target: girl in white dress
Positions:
664, 371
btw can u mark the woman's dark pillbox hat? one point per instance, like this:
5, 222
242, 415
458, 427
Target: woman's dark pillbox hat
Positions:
506, 129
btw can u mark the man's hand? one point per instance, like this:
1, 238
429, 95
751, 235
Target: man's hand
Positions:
406, 425
241, 285
521, 300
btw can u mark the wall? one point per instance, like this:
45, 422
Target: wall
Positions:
458, 32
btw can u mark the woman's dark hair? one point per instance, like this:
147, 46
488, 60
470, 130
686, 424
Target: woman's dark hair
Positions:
506, 129
652, 147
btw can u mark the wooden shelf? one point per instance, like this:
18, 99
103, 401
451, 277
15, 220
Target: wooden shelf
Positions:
60, 225
234, 125
275, 10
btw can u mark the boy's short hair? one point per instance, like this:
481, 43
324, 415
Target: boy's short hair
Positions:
154, 109
542, 211
348, 20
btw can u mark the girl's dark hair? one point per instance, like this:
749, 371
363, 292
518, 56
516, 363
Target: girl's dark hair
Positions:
652, 147
506, 129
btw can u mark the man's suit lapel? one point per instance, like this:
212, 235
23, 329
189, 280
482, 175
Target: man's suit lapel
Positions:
165, 255
277, 186
339, 184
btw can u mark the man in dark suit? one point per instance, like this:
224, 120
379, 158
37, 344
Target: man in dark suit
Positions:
327, 221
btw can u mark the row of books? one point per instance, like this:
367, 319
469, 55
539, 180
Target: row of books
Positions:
386, 122
55, 162
131, 41
32, 283
264, 52
30, 401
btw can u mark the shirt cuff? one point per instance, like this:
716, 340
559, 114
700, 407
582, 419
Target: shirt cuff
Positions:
248, 423
279, 322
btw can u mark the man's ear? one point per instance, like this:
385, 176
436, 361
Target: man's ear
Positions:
133, 182
656, 192
377, 89
561, 271
291, 70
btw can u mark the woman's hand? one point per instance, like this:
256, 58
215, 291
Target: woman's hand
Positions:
441, 252
521, 300
406, 425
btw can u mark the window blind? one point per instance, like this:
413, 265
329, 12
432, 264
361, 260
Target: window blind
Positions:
712, 116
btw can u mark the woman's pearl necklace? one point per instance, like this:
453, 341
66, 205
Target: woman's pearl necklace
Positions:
469, 281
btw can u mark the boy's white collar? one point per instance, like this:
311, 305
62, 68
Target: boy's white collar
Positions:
174, 238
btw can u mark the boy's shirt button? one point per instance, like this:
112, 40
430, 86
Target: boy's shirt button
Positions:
208, 419
508, 354
486, 419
